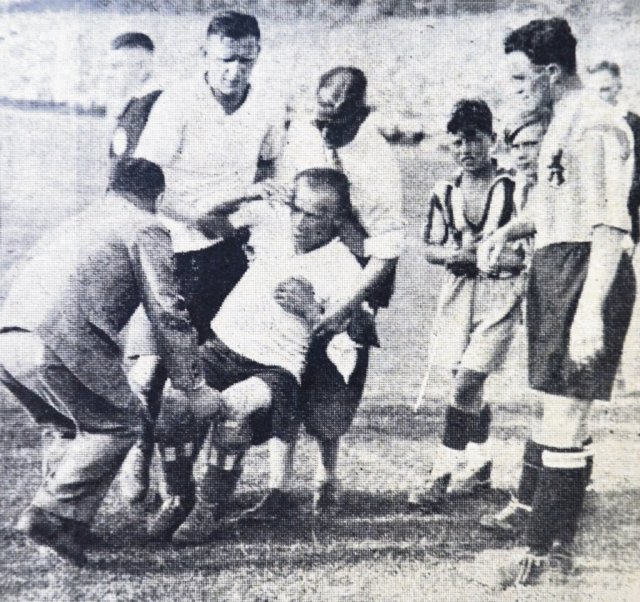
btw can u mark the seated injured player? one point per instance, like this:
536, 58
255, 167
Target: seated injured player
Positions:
256, 357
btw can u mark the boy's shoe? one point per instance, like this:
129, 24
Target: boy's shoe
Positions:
276, 504
326, 499
472, 479
200, 525
134, 474
53, 531
172, 513
433, 497
511, 520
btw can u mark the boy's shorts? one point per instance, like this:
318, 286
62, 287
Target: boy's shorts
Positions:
557, 276
476, 322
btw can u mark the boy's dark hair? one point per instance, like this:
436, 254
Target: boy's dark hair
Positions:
545, 41
140, 178
133, 39
470, 116
234, 25
321, 178
609, 66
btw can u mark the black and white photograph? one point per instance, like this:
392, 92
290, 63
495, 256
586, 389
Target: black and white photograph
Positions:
319, 300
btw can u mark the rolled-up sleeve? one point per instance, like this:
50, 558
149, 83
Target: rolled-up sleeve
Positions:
608, 151
376, 196
175, 336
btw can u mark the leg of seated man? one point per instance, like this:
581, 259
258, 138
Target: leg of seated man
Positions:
329, 405
258, 408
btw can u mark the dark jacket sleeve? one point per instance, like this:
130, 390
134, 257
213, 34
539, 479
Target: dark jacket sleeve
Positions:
174, 334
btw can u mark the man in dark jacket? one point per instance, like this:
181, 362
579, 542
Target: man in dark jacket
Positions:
58, 353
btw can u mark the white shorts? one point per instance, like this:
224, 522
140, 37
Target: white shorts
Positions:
476, 322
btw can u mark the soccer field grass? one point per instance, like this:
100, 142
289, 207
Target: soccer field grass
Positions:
375, 549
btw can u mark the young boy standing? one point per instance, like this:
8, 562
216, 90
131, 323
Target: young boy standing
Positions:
478, 311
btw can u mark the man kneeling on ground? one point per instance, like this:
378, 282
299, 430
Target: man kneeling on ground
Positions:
59, 356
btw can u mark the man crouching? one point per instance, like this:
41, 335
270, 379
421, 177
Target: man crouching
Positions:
263, 332
59, 357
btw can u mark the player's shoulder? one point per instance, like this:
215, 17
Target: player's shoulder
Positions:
370, 140
441, 188
180, 93
505, 178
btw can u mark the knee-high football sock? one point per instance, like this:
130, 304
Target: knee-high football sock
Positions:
531, 467
455, 437
458, 426
557, 501
479, 432
178, 442
587, 446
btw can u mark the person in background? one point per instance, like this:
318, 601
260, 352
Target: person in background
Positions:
135, 94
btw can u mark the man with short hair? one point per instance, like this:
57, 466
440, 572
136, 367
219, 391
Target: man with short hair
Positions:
340, 135
258, 352
59, 355
135, 91
209, 133
581, 283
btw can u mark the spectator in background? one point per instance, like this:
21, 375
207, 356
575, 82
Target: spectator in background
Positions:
135, 93
606, 79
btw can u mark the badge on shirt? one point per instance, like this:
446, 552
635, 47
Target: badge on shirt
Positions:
119, 142
556, 170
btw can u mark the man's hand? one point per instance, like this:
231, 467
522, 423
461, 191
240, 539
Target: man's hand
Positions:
586, 340
204, 402
335, 320
270, 190
296, 296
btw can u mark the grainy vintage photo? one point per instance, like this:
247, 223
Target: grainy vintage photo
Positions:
319, 300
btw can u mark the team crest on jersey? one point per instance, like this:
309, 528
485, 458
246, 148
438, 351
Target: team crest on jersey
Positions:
119, 142
556, 169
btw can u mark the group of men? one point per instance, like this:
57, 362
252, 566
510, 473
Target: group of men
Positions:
249, 250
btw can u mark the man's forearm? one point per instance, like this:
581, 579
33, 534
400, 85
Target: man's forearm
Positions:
440, 255
372, 276
520, 227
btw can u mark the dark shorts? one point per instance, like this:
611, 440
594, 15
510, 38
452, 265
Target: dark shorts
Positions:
223, 368
206, 277
556, 279
328, 404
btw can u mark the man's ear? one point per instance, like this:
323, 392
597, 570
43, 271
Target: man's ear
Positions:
554, 71
203, 50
